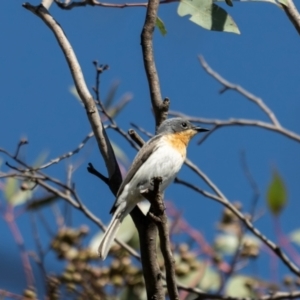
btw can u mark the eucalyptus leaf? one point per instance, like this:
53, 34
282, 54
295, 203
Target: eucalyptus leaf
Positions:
206, 277
73, 91
227, 244
14, 195
207, 15
276, 194
120, 154
238, 286
295, 236
39, 203
161, 26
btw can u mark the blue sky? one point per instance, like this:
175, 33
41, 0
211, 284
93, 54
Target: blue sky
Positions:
36, 103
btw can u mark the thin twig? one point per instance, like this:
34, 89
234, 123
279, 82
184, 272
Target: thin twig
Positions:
66, 155
21, 143
220, 197
4, 293
273, 296
142, 130
41, 254
237, 122
229, 86
134, 135
252, 182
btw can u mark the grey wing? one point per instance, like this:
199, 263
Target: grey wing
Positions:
140, 158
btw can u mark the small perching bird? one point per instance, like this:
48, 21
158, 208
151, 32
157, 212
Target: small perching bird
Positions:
162, 156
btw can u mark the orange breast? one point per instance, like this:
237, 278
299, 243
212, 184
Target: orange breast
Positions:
180, 140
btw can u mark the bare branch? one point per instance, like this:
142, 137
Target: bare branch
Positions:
67, 155
252, 182
133, 134
229, 86
82, 90
220, 197
237, 122
274, 296
292, 13
158, 214
75, 4
142, 130
160, 107
5, 294
21, 143
69, 5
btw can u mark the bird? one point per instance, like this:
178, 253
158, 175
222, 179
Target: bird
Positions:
162, 156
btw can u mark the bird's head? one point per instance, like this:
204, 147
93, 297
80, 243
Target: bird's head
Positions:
181, 128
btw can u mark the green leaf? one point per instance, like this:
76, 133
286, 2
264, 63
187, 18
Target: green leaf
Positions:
295, 236
73, 91
227, 244
239, 286
161, 26
120, 154
211, 280
40, 159
111, 95
276, 194
207, 15
13, 194
115, 110
39, 203
207, 278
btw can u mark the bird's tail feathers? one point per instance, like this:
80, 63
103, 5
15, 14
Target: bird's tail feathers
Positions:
111, 232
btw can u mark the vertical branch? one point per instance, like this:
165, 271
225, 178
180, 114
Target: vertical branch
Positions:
158, 215
160, 107
147, 233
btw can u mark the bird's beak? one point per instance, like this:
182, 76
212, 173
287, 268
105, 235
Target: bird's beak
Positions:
200, 129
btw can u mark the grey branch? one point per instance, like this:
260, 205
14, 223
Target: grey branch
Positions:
229, 86
66, 155
292, 13
158, 214
220, 197
83, 92
160, 107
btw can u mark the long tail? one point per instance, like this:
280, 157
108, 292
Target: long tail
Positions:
111, 231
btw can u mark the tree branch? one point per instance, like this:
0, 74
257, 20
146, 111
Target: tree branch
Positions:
158, 215
84, 94
220, 197
160, 107
292, 13
229, 86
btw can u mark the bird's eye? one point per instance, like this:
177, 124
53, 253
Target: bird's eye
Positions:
184, 124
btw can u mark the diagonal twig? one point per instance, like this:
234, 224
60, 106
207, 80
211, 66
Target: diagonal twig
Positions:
230, 86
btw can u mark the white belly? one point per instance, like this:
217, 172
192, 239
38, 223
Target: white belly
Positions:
165, 162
